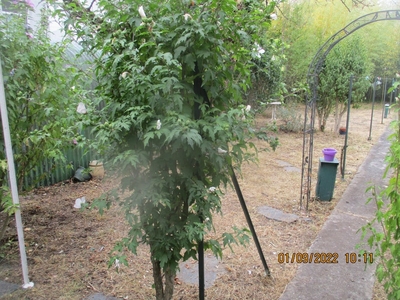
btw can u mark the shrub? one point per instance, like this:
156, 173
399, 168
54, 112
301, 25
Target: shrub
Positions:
291, 117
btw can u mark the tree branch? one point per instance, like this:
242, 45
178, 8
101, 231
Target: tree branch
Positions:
90, 6
345, 5
78, 12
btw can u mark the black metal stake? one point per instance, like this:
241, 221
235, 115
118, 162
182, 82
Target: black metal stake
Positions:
384, 86
391, 94
249, 222
200, 252
347, 126
372, 111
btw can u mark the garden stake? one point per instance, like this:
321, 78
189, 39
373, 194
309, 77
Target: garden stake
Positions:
384, 87
201, 92
372, 109
200, 251
249, 222
347, 127
13, 183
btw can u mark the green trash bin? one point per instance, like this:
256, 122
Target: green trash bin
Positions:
326, 179
386, 110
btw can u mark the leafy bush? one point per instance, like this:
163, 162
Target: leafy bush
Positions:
266, 73
291, 117
41, 102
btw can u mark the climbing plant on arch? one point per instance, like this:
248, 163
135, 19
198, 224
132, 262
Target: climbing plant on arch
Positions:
314, 71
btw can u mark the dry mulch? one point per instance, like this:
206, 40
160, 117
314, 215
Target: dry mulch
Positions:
68, 249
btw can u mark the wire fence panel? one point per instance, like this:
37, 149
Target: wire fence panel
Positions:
49, 172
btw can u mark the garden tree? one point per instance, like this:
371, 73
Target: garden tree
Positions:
346, 59
266, 73
304, 27
385, 241
383, 48
172, 77
300, 45
41, 104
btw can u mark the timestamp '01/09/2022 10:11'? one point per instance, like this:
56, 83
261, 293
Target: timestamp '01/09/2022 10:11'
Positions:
325, 258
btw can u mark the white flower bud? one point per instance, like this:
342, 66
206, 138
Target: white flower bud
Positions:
81, 109
141, 12
158, 124
273, 16
248, 108
222, 151
212, 189
187, 16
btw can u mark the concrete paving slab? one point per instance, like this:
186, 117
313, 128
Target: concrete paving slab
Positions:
7, 288
189, 270
343, 280
276, 214
99, 296
287, 166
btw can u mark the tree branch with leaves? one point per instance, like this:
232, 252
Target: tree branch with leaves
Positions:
173, 77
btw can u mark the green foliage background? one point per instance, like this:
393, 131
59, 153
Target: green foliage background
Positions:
41, 102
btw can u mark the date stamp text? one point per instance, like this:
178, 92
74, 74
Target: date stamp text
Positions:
324, 258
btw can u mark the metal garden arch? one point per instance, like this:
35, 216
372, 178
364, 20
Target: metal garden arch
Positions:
314, 70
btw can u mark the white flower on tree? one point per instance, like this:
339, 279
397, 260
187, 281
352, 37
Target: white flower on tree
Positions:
259, 50
141, 12
81, 109
222, 151
187, 17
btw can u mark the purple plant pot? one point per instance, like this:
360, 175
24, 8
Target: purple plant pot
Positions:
329, 154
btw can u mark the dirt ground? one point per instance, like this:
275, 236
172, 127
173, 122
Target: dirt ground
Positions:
68, 249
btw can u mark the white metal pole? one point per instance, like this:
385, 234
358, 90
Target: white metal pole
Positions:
13, 181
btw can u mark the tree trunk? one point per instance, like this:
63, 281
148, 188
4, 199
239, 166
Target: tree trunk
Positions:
337, 121
157, 276
161, 292
325, 116
324, 108
323, 126
169, 284
321, 123
340, 110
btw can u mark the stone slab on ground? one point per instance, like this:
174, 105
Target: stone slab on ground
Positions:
189, 270
99, 296
340, 235
7, 288
287, 166
276, 214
